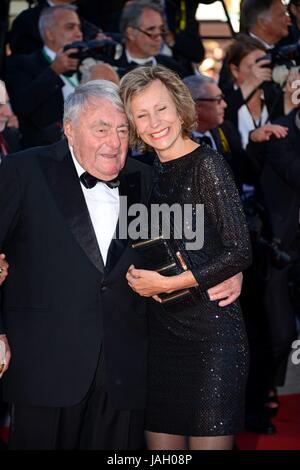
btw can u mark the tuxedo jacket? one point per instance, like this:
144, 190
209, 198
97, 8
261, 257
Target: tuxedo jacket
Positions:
36, 96
12, 139
60, 306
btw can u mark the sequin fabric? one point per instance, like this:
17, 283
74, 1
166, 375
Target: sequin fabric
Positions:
198, 358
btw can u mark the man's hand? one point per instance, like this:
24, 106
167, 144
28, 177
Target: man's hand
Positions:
227, 291
3, 268
64, 63
4, 362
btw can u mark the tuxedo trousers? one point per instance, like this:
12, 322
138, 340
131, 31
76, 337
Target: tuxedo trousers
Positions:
91, 424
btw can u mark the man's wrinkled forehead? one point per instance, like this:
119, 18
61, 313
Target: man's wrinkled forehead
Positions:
2, 92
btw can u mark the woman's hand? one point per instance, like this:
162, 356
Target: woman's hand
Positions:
5, 360
3, 268
147, 283
259, 73
264, 133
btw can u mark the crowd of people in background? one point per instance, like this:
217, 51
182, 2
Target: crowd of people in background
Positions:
250, 116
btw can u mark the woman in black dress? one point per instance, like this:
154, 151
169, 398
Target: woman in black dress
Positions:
198, 356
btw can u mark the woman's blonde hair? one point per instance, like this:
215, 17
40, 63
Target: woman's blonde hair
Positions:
140, 78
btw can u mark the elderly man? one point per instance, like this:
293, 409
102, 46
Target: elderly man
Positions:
268, 21
38, 83
142, 26
77, 332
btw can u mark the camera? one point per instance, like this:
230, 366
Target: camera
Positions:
282, 60
106, 50
285, 55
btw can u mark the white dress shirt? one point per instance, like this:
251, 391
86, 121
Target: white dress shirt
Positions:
139, 60
247, 124
103, 205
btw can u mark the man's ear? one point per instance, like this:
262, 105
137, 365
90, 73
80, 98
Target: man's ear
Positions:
263, 23
131, 33
68, 131
49, 36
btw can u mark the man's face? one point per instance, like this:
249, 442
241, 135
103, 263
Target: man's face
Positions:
66, 30
5, 110
278, 22
99, 137
212, 107
146, 41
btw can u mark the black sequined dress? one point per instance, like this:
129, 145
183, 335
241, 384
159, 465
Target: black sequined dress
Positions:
198, 358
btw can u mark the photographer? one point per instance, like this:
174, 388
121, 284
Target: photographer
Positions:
255, 99
38, 84
24, 36
267, 21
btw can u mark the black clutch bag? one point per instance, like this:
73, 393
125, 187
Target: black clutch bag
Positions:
159, 255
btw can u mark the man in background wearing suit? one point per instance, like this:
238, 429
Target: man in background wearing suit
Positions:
39, 82
212, 130
143, 28
24, 36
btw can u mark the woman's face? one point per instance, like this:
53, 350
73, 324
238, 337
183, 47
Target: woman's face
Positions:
156, 119
243, 70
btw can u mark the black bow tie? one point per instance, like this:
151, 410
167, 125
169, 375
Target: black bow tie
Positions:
205, 139
89, 181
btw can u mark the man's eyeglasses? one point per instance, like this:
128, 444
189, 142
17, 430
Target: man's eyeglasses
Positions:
153, 35
217, 99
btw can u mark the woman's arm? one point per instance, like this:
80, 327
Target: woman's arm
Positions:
223, 210
149, 283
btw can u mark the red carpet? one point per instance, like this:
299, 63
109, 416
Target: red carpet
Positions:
4, 434
287, 423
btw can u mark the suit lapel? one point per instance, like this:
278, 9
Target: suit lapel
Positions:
130, 186
63, 180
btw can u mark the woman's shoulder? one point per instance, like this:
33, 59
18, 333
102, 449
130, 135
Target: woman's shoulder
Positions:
205, 155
